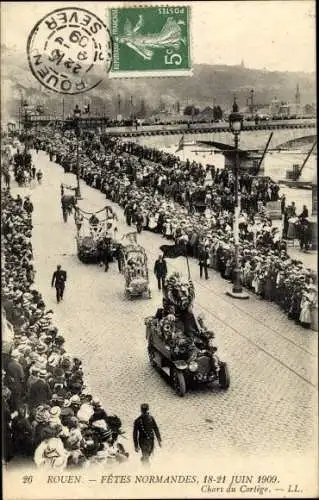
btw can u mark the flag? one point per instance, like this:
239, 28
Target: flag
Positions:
180, 145
173, 251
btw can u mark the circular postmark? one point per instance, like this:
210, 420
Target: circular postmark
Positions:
70, 50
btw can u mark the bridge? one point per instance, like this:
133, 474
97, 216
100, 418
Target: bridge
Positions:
288, 134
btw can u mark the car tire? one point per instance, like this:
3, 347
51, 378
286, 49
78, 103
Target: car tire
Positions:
223, 376
179, 383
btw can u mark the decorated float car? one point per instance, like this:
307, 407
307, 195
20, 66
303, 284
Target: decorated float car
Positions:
95, 236
179, 344
135, 270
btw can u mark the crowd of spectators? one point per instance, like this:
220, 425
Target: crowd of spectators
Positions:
174, 199
49, 415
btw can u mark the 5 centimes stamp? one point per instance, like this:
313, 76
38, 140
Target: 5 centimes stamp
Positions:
70, 50
150, 41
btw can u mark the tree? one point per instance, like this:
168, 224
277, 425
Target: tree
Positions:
178, 107
191, 110
309, 109
218, 113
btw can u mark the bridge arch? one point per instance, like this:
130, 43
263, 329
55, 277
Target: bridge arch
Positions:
298, 142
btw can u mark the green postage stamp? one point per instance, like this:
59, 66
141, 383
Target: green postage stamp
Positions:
150, 41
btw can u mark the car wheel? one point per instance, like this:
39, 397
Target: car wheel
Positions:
151, 355
223, 377
179, 382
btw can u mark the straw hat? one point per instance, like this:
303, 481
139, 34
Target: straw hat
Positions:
55, 412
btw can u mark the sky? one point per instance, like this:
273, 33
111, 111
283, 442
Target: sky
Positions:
275, 35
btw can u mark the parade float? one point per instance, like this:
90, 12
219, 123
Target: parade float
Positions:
178, 342
95, 235
135, 268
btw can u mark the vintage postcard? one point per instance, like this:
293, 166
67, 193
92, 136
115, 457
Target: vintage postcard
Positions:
159, 276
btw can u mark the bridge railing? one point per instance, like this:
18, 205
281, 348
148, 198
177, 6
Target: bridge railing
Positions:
181, 128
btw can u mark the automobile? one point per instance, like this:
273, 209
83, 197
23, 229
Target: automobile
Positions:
184, 372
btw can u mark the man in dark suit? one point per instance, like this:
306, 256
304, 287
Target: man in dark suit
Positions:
39, 392
58, 280
144, 430
203, 262
160, 271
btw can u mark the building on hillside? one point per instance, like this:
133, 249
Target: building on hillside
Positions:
289, 110
286, 109
274, 107
206, 114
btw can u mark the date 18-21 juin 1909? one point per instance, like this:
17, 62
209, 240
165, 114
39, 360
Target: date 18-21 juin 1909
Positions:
260, 484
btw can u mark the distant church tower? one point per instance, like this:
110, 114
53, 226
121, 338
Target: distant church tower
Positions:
297, 100
242, 64
297, 96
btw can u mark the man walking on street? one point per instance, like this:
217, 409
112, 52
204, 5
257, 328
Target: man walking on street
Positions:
39, 176
119, 257
144, 430
58, 280
28, 205
104, 248
203, 262
160, 271
78, 219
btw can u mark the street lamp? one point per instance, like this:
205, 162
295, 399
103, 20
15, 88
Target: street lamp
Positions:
77, 114
235, 123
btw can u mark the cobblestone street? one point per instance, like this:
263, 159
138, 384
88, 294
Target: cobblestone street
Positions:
270, 405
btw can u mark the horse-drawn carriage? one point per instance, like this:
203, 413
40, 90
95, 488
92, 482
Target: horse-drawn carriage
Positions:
134, 265
22, 162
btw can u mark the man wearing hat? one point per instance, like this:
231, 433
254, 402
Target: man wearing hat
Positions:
144, 430
58, 280
28, 205
39, 392
15, 379
160, 271
98, 412
203, 261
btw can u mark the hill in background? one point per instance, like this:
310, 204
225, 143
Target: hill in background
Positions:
208, 82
